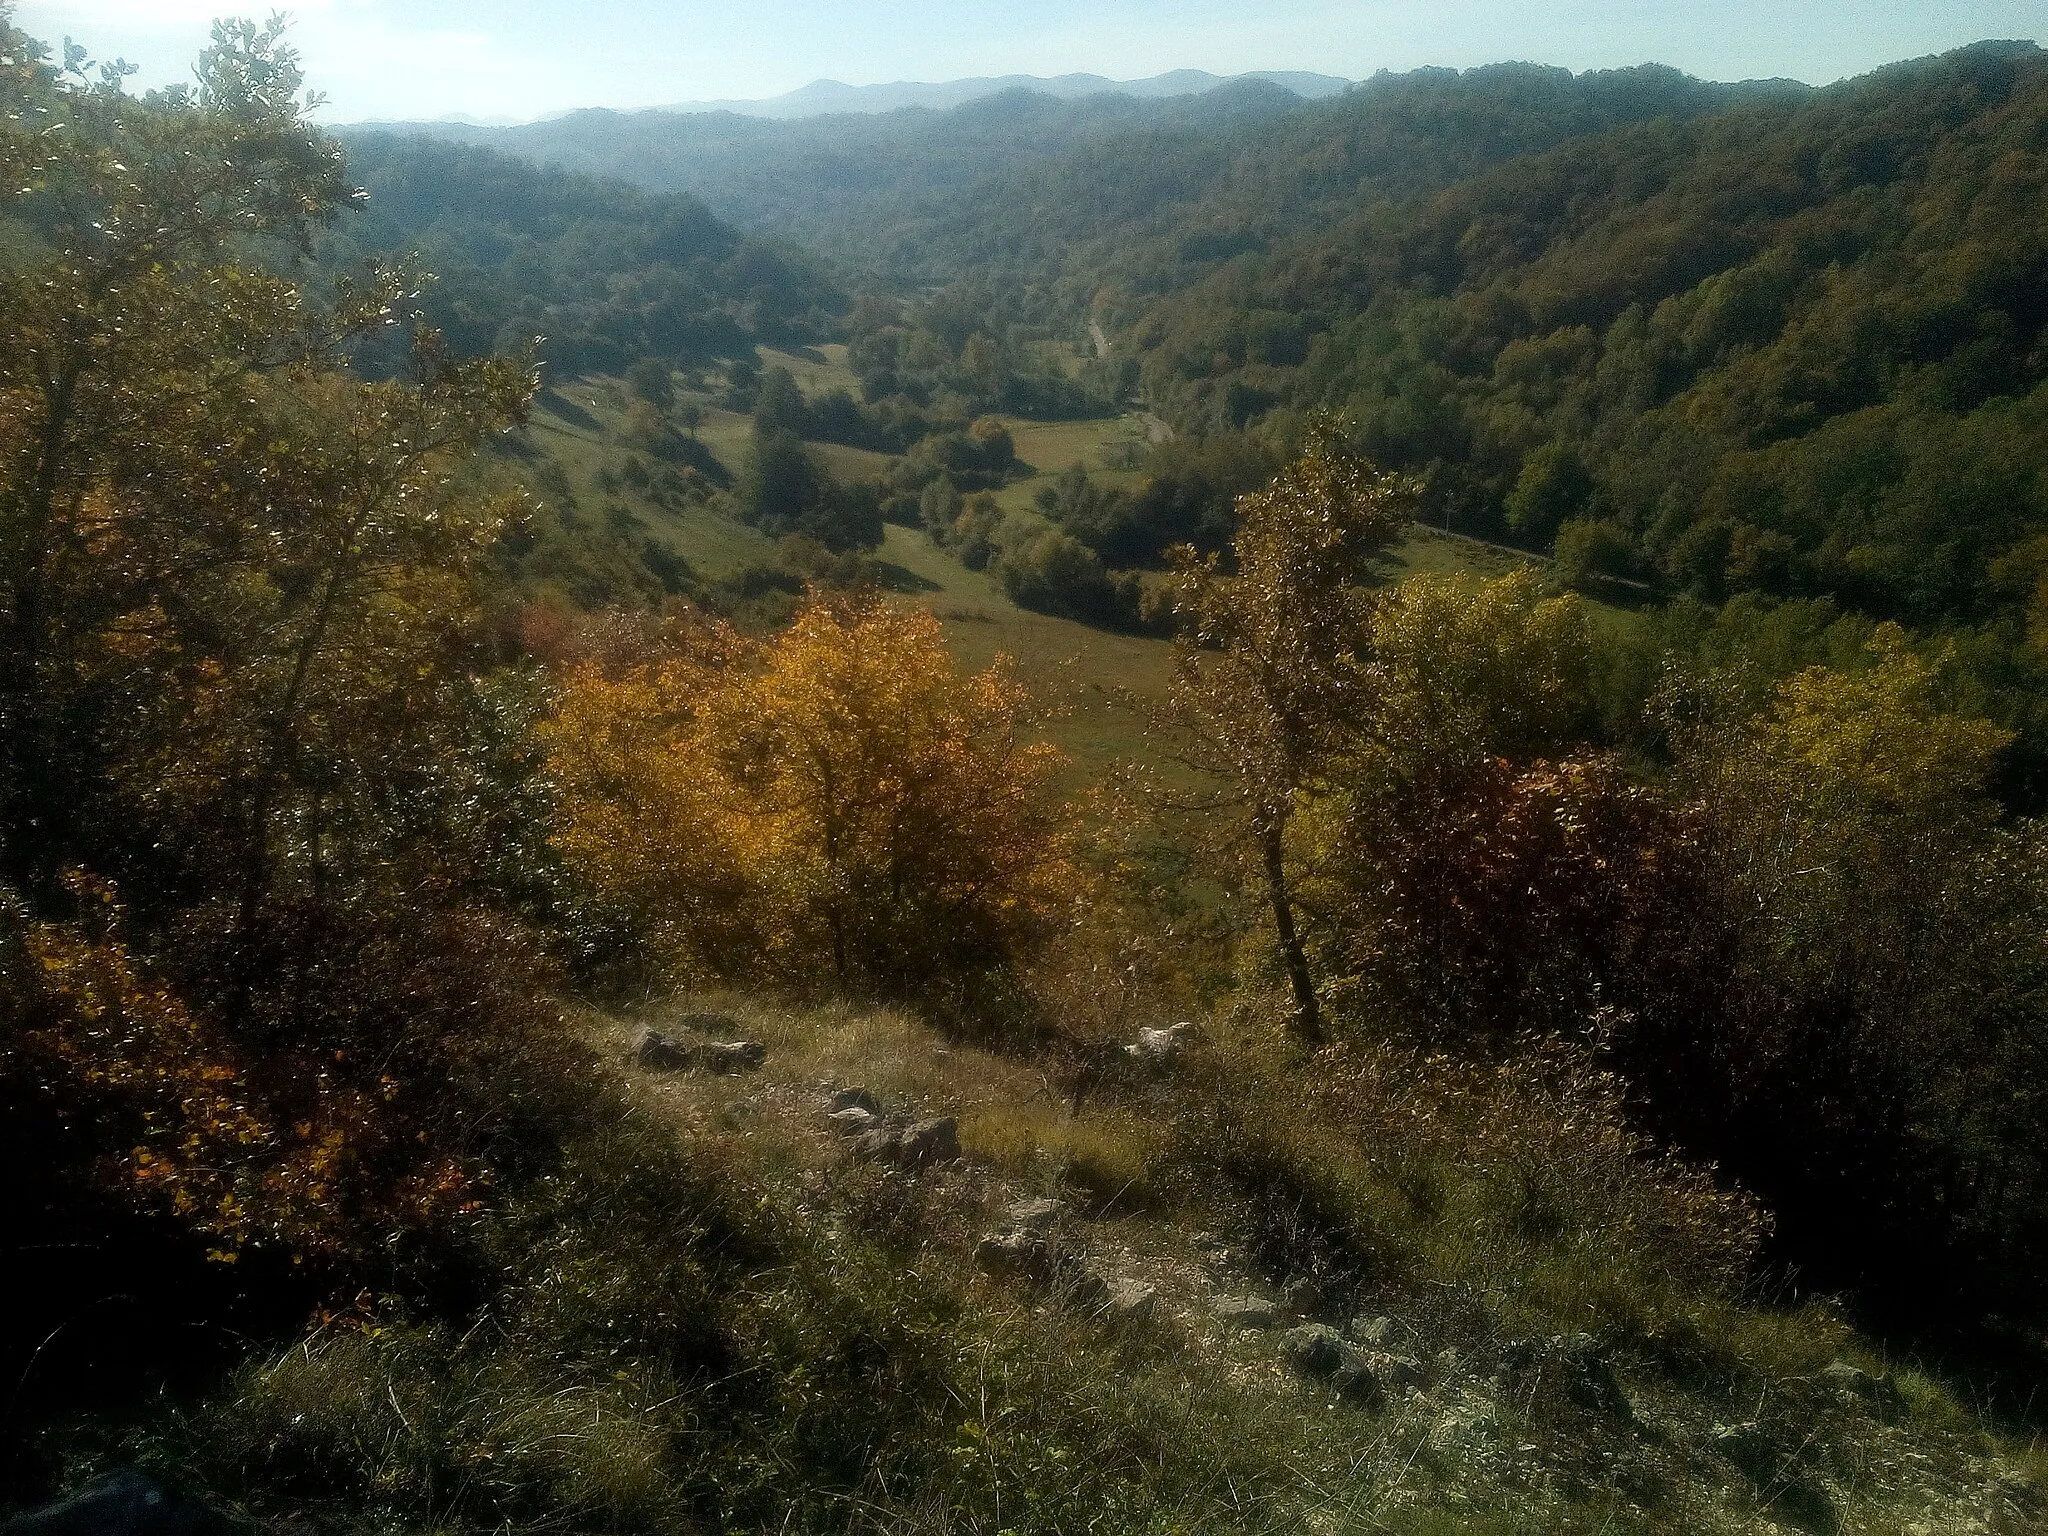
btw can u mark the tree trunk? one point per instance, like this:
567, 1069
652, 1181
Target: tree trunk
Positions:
1308, 1016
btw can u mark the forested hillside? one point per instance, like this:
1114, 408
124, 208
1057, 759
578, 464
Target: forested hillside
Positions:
1724, 339
851, 183
1021, 190
1793, 347
603, 274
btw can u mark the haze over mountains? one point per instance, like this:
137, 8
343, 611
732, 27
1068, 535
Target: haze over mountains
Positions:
920, 195
826, 98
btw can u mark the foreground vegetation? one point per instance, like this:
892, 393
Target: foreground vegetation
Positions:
1605, 1030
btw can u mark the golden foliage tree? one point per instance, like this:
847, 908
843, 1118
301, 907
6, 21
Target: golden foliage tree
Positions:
837, 802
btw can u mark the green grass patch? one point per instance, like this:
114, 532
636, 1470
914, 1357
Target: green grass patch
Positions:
818, 374
1052, 447
1099, 685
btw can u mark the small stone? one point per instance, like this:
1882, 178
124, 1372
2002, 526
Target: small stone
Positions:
931, 1141
1850, 1381
1358, 1380
1013, 1253
878, 1146
1034, 1214
853, 1122
730, 1056
1375, 1332
122, 1503
667, 1053
856, 1098
1131, 1301
1399, 1373
1247, 1311
1162, 1045
1315, 1349
658, 1053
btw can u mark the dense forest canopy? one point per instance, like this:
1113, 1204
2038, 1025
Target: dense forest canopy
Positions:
1792, 347
605, 274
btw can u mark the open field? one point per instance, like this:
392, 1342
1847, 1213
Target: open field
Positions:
813, 376
584, 433
1051, 447
726, 434
1433, 551
1099, 684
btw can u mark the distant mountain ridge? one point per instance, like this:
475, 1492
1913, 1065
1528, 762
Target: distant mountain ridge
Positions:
829, 98
823, 98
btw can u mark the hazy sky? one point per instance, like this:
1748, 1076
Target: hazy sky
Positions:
526, 58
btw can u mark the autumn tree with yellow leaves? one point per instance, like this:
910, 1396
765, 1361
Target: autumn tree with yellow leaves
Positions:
838, 808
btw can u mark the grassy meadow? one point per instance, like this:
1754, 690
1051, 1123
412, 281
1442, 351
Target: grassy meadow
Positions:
1098, 688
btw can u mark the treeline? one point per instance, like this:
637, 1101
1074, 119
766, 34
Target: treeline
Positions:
878, 190
1038, 195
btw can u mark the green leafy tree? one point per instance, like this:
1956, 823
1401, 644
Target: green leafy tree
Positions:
130, 337
1552, 487
1266, 664
784, 488
780, 405
256, 798
651, 380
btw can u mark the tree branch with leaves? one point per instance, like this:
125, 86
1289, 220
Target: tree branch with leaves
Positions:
1267, 662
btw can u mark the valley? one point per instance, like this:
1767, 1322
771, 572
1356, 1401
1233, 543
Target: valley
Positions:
1247, 806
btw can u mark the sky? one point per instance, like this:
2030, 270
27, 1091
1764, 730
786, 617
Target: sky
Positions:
520, 59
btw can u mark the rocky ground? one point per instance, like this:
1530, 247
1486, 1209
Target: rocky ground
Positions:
872, 1125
